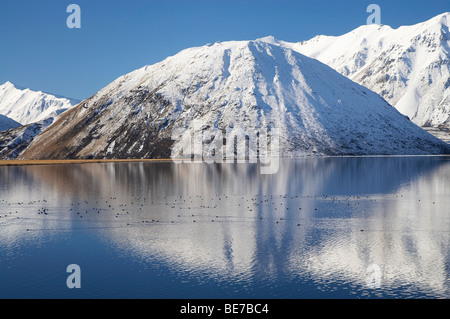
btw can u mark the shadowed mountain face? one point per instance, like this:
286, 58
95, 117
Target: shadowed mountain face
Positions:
6, 123
235, 87
14, 141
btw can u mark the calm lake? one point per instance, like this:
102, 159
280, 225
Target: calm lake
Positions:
351, 227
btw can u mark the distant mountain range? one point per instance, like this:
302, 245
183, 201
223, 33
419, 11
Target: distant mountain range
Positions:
24, 114
239, 87
26, 106
408, 66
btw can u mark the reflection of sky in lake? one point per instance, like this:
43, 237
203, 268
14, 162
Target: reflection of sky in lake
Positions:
324, 227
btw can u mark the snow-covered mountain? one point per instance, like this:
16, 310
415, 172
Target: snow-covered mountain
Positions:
26, 106
6, 123
15, 140
408, 66
236, 85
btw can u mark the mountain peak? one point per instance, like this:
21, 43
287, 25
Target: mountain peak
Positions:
443, 18
269, 39
7, 84
435, 24
10, 85
27, 106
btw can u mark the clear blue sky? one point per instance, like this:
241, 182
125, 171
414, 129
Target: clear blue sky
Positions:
38, 50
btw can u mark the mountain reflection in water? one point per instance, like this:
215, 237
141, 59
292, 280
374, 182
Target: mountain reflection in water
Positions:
320, 227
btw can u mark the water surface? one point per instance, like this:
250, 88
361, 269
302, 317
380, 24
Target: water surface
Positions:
375, 227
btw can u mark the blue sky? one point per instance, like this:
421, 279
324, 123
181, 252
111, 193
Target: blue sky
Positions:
39, 51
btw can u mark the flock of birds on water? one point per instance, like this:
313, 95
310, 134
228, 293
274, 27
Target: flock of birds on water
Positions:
138, 211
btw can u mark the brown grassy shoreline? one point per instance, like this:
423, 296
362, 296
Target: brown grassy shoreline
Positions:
90, 161
57, 162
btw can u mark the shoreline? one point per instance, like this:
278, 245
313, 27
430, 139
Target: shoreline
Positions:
80, 161
99, 161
